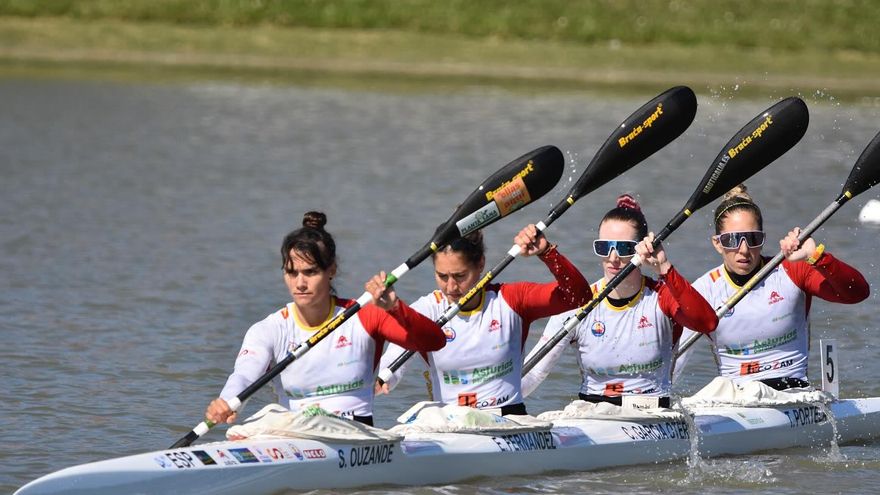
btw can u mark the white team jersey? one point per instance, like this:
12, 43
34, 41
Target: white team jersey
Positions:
766, 335
337, 374
481, 364
621, 351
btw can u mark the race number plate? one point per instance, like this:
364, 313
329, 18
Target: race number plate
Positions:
830, 369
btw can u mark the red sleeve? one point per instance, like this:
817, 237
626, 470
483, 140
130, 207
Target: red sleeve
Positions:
830, 279
403, 326
533, 301
681, 302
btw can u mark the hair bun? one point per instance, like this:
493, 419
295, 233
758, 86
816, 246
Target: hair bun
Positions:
629, 202
315, 220
740, 191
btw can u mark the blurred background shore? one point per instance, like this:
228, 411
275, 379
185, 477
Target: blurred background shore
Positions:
761, 48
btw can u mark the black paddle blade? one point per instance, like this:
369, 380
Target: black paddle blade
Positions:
866, 172
517, 184
767, 137
650, 128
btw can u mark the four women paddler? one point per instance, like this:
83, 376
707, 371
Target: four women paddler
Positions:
625, 345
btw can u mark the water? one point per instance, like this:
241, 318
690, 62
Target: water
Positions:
140, 226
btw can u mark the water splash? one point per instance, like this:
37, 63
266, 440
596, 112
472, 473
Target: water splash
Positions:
834, 453
695, 463
702, 472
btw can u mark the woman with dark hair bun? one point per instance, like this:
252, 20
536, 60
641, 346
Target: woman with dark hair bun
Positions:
481, 364
766, 335
338, 372
625, 345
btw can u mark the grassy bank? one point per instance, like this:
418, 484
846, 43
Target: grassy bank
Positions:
550, 45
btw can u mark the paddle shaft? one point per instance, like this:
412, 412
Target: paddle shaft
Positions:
385, 373
771, 265
584, 310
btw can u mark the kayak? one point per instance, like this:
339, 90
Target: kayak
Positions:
272, 465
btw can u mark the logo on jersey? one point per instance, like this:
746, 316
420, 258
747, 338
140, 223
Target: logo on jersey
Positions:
598, 329
342, 342
468, 399
644, 323
775, 298
729, 313
495, 326
613, 389
753, 367
450, 334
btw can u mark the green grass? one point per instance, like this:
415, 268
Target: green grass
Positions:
783, 24
764, 47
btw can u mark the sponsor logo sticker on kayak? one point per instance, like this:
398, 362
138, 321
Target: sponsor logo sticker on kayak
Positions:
296, 452
163, 462
315, 453
262, 456
243, 455
226, 459
205, 457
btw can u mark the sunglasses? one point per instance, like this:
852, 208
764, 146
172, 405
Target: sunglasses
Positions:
732, 240
625, 249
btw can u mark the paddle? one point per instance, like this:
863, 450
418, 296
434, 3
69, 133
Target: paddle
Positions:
642, 134
864, 175
515, 185
755, 146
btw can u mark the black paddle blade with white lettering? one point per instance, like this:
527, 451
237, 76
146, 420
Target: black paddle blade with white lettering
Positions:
758, 144
650, 128
767, 137
865, 174
517, 184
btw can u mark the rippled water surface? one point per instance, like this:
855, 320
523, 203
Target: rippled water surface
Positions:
140, 227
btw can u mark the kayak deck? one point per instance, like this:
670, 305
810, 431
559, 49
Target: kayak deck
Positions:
267, 466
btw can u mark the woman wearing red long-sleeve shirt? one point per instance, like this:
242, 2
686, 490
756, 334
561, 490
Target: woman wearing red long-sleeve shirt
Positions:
337, 374
766, 335
625, 345
481, 365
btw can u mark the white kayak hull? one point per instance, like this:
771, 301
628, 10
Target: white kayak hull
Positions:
267, 466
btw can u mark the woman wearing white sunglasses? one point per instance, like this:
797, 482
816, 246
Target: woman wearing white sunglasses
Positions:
766, 335
625, 345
